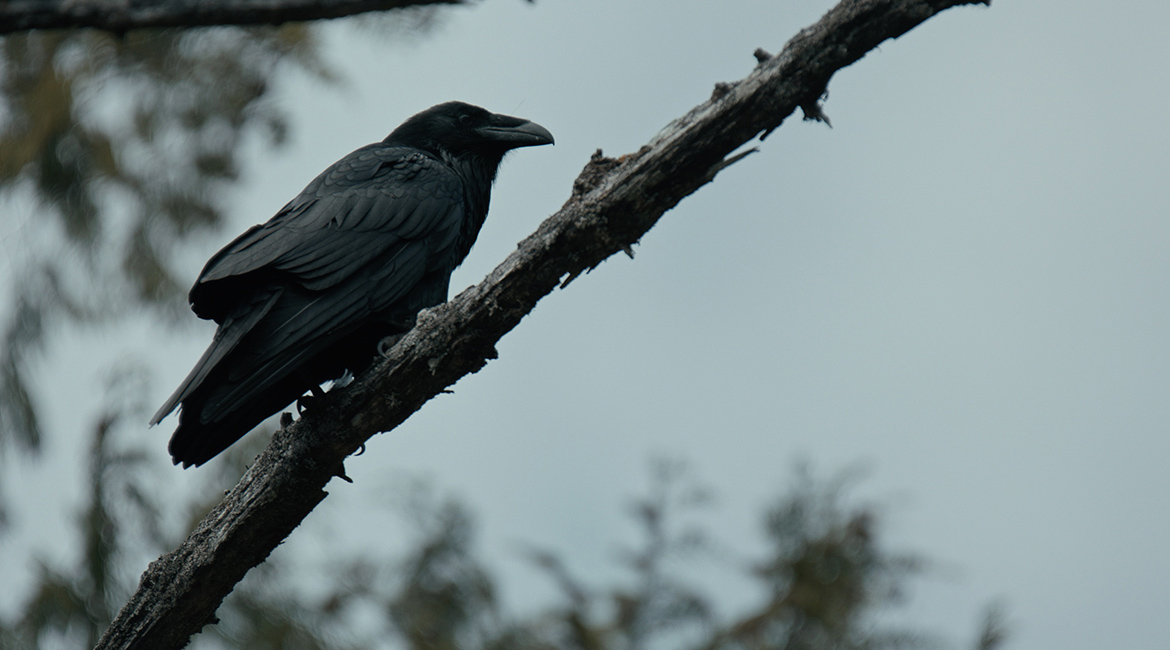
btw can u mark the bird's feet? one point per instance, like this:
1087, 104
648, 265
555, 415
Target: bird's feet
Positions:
344, 380
305, 401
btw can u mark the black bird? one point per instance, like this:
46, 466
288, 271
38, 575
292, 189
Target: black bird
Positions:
350, 261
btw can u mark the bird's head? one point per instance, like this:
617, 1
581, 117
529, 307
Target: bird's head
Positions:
457, 129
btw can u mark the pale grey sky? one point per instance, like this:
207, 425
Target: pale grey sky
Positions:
961, 286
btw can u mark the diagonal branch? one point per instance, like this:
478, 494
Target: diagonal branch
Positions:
119, 17
614, 202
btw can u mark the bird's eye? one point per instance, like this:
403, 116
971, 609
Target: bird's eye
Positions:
464, 119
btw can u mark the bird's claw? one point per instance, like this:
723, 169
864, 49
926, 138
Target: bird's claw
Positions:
305, 402
344, 380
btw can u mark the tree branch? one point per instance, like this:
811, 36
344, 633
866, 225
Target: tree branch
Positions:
614, 202
119, 17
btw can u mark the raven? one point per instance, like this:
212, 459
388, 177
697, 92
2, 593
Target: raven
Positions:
347, 263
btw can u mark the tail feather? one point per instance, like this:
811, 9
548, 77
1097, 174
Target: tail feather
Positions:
227, 337
260, 364
195, 442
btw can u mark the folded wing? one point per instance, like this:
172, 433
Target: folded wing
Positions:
300, 298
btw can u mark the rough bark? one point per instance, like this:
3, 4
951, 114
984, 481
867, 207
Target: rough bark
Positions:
613, 203
119, 17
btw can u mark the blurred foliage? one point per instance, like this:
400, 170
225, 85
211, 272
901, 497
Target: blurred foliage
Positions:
113, 151
822, 583
72, 607
116, 150
656, 603
120, 527
825, 576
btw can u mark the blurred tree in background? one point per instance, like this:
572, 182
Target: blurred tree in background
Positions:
822, 584
114, 151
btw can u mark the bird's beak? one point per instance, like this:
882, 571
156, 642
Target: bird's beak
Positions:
515, 132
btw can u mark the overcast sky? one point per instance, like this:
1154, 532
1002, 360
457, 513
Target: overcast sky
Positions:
961, 286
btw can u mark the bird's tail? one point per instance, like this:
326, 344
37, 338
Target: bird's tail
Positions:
227, 337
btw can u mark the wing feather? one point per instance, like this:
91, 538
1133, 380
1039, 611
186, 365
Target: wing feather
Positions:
303, 326
362, 208
366, 245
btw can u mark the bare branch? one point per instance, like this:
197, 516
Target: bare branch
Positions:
119, 17
614, 203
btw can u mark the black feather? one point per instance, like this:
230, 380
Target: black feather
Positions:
352, 259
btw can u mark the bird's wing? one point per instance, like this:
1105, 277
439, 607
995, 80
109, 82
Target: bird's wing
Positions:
363, 207
302, 325
354, 242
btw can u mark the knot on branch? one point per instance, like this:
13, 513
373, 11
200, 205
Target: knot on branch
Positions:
721, 89
813, 111
595, 170
339, 472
